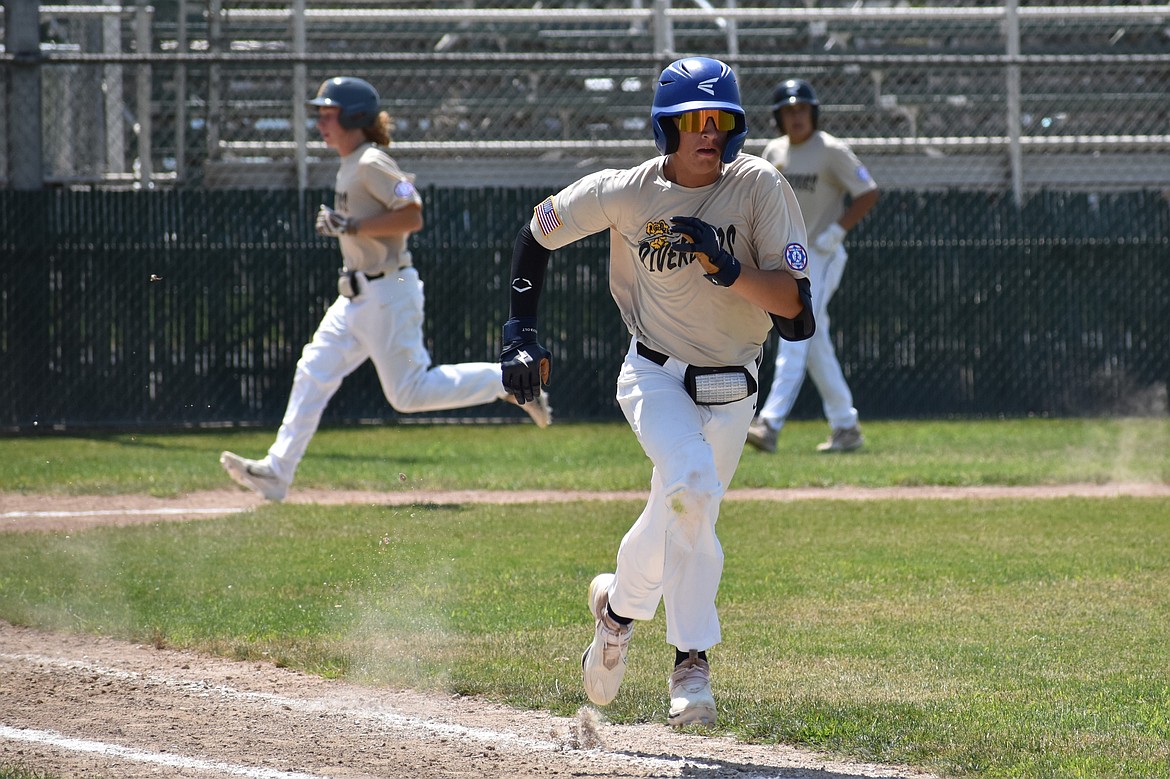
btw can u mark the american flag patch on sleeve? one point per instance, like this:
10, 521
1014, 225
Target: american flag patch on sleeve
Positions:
546, 216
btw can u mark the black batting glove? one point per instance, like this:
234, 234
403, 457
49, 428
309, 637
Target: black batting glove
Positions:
524, 362
722, 269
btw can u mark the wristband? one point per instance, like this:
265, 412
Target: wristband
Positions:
519, 330
728, 270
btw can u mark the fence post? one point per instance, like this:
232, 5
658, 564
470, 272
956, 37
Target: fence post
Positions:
732, 38
115, 103
183, 45
25, 131
299, 87
663, 32
143, 98
1015, 156
214, 85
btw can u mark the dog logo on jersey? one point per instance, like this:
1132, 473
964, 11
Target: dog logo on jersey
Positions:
656, 247
546, 216
658, 235
795, 257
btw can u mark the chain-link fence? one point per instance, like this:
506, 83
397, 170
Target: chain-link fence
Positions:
158, 264
191, 307
992, 96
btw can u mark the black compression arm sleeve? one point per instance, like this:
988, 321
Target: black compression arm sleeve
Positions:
529, 262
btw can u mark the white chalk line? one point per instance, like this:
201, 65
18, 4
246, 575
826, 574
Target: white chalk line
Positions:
116, 512
119, 512
383, 717
54, 739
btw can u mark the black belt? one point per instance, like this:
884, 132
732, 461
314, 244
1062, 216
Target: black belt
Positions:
376, 276
709, 386
651, 354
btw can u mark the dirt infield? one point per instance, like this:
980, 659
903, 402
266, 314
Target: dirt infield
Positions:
84, 706
89, 706
21, 512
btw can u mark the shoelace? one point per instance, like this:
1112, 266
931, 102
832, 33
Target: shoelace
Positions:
617, 639
691, 675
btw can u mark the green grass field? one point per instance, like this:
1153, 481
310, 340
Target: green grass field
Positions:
597, 457
997, 638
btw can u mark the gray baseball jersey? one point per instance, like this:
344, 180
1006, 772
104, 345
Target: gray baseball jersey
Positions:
383, 323
368, 183
821, 170
665, 303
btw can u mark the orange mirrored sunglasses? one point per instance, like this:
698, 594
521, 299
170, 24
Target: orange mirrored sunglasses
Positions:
696, 121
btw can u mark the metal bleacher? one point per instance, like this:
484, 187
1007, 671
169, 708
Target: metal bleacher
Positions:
513, 100
500, 92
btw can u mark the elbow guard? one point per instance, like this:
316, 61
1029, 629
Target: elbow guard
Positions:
803, 325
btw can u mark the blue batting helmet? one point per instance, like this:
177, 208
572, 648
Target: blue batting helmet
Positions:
793, 92
357, 99
691, 84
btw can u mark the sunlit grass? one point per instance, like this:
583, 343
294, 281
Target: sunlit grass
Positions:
598, 457
996, 638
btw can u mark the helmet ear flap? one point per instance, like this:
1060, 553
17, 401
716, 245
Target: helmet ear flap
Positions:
815, 115
667, 131
736, 138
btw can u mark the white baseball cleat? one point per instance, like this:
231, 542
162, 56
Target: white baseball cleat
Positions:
255, 475
604, 661
539, 409
762, 436
691, 701
844, 440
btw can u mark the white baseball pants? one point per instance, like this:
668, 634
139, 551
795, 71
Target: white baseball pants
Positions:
814, 355
382, 324
671, 553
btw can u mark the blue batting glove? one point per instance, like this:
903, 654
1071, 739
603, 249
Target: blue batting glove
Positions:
722, 269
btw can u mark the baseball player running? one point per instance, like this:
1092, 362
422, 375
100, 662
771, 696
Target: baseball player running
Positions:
823, 170
706, 249
378, 314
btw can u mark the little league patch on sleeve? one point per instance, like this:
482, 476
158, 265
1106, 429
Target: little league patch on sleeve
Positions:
546, 216
795, 256
404, 189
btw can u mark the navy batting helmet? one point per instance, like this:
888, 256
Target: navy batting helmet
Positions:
792, 92
357, 99
691, 84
